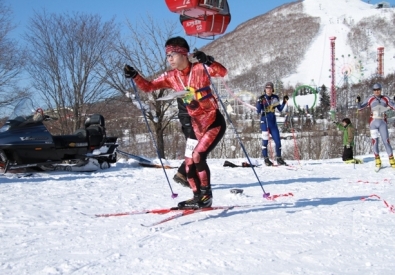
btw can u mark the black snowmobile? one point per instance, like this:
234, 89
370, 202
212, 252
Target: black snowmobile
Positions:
25, 142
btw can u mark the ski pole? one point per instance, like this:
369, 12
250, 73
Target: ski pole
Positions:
356, 135
173, 195
265, 195
296, 148
269, 147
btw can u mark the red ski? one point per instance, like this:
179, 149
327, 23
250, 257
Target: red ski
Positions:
189, 212
137, 212
179, 212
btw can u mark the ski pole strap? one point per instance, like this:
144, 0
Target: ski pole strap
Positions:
203, 89
199, 96
207, 88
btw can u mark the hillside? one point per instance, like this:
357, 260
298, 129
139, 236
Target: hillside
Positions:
291, 44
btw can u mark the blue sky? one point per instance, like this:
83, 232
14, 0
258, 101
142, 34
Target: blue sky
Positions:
133, 10
241, 10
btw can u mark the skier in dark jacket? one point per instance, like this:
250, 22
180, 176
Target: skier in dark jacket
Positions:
266, 107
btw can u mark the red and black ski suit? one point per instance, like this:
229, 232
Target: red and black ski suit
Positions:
207, 122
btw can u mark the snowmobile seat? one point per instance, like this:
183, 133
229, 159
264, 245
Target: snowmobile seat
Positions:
96, 131
66, 141
111, 139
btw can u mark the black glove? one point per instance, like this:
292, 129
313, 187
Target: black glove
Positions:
358, 99
262, 100
130, 72
285, 98
203, 58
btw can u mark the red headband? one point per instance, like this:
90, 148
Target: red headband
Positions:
177, 49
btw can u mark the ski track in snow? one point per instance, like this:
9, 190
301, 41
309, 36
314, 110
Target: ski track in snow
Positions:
325, 228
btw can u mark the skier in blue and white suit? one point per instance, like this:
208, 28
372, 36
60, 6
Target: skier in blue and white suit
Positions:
266, 107
378, 104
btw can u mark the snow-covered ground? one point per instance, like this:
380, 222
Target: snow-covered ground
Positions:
324, 228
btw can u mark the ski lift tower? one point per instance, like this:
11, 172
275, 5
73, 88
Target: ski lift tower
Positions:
333, 80
380, 61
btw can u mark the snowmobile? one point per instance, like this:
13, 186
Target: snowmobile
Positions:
25, 142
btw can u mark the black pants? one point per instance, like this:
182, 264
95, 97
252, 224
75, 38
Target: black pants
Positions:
188, 132
348, 153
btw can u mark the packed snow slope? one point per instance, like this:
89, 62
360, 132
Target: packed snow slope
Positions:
47, 223
337, 18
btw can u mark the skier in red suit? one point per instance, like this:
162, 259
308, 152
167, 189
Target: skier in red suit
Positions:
207, 122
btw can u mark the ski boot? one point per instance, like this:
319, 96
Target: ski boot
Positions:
181, 179
392, 161
268, 162
378, 162
201, 199
280, 161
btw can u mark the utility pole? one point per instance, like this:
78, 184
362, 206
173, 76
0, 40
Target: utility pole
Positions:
333, 80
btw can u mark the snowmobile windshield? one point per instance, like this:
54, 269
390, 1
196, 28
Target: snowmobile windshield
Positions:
23, 112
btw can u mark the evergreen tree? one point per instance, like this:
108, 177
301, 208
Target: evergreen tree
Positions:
279, 87
325, 102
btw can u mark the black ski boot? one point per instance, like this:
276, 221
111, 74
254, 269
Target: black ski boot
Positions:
201, 199
181, 179
268, 162
280, 161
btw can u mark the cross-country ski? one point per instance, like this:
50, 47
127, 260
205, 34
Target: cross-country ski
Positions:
186, 212
181, 212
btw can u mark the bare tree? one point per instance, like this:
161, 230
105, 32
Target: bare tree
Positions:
144, 50
66, 53
11, 57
